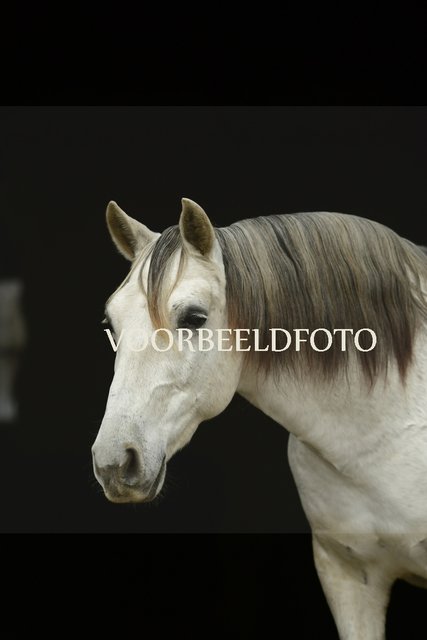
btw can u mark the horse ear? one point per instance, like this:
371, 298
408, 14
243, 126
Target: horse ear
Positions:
196, 227
129, 235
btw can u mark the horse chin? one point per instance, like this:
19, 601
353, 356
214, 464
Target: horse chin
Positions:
133, 493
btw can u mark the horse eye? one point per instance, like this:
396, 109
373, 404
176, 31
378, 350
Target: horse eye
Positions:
193, 320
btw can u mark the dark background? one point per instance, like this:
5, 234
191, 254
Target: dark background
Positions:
59, 169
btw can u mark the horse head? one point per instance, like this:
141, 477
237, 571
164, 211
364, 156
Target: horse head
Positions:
161, 393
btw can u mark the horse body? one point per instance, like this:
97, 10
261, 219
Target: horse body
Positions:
360, 466
358, 453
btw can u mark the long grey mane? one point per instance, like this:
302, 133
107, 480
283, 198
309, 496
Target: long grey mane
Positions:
310, 271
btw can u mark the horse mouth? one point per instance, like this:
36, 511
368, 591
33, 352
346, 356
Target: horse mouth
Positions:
133, 493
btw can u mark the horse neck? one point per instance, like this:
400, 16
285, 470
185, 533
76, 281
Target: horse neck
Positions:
343, 420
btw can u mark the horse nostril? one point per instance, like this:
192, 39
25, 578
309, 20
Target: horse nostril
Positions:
131, 468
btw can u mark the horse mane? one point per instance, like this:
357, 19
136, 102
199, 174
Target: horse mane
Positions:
309, 271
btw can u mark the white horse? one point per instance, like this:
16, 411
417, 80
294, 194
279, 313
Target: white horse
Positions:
357, 418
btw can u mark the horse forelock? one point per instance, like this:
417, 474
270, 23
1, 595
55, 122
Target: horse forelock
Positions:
308, 271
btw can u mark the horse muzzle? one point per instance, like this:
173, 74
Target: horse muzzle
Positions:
127, 481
